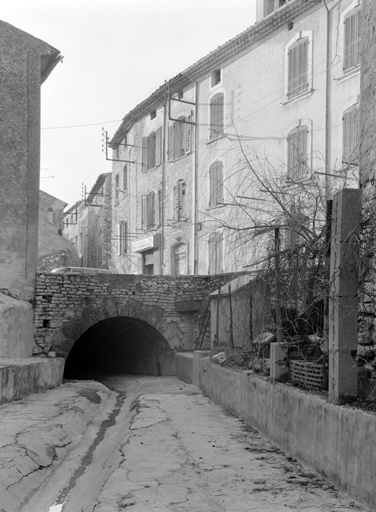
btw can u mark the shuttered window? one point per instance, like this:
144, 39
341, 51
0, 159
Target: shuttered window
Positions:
298, 67
160, 206
216, 184
151, 212
123, 236
143, 212
125, 177
180, 259
353, 31
180, 200
216, 116
118, 238
152, 150
351, 135
117, 187
215, 252
297, 153
180, 137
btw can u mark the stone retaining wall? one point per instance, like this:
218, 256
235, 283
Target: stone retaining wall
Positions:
67, 305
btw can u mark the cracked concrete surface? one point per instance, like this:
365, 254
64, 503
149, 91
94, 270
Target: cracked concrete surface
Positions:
183, 453
37, 433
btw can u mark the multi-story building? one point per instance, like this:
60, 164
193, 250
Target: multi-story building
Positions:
87, 224
199, 164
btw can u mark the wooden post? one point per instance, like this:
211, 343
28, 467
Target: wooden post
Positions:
277, 245
231, 320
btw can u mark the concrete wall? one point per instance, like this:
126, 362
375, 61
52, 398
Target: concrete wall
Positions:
22, 377
333, 440
16, 327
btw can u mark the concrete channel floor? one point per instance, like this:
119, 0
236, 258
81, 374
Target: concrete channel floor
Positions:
153, 444
183, 453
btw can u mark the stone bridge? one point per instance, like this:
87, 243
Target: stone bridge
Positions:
118, 322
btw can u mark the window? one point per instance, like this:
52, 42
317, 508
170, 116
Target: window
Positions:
180, 260
216, 116
351, 135
117, 187
180, 137
125, 177
216, 184
160, 204
179, 201
353, 31
272, 5
216, 77
297, 153
153, 114
123, 237
152, 150
148, 211
215, 250
298, 68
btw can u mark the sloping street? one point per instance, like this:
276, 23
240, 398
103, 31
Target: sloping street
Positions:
170, 448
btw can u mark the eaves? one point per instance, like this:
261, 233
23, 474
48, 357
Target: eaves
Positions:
246, 39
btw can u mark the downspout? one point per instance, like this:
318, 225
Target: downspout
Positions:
328, 95
194, 188
163, 184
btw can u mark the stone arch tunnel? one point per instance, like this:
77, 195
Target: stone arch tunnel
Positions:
118, 322
122, 345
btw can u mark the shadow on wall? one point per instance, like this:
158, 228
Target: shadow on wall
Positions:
120, 345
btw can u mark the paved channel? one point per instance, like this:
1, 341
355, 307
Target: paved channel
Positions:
171, 449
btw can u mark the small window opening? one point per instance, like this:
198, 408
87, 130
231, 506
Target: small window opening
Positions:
153, 114
180, 95
216, 77
46, 323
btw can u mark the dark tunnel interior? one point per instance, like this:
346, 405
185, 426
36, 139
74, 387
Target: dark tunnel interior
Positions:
120, 345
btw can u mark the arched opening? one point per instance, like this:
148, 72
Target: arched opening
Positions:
122, 345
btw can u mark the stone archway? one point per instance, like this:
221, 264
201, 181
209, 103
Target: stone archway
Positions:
122, 345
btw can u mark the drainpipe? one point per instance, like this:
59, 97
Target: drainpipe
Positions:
328, 94
194, 188
163, 187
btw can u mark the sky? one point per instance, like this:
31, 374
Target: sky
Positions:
116, 53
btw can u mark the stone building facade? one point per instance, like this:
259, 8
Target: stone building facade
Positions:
367, 179
25, 63
87, 225
274, 107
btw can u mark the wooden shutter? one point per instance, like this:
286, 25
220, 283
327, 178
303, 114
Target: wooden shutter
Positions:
188, 134
123, 237
125, 177
158, 144
215, 251
298, 67
216, 116
351, 135
143, 212
144, 153
297, 153
353, 31
150, 210
118, 239
216, 183
180, 200
170, 144
176, 202
159, 206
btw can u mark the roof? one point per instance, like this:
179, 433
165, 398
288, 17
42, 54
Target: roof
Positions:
43, 193
244, 40
97, 185
49, 55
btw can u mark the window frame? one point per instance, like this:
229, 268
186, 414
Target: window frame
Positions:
308, 89
151, 150
179, 140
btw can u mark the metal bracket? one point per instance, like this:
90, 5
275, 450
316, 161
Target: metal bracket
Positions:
105, 139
